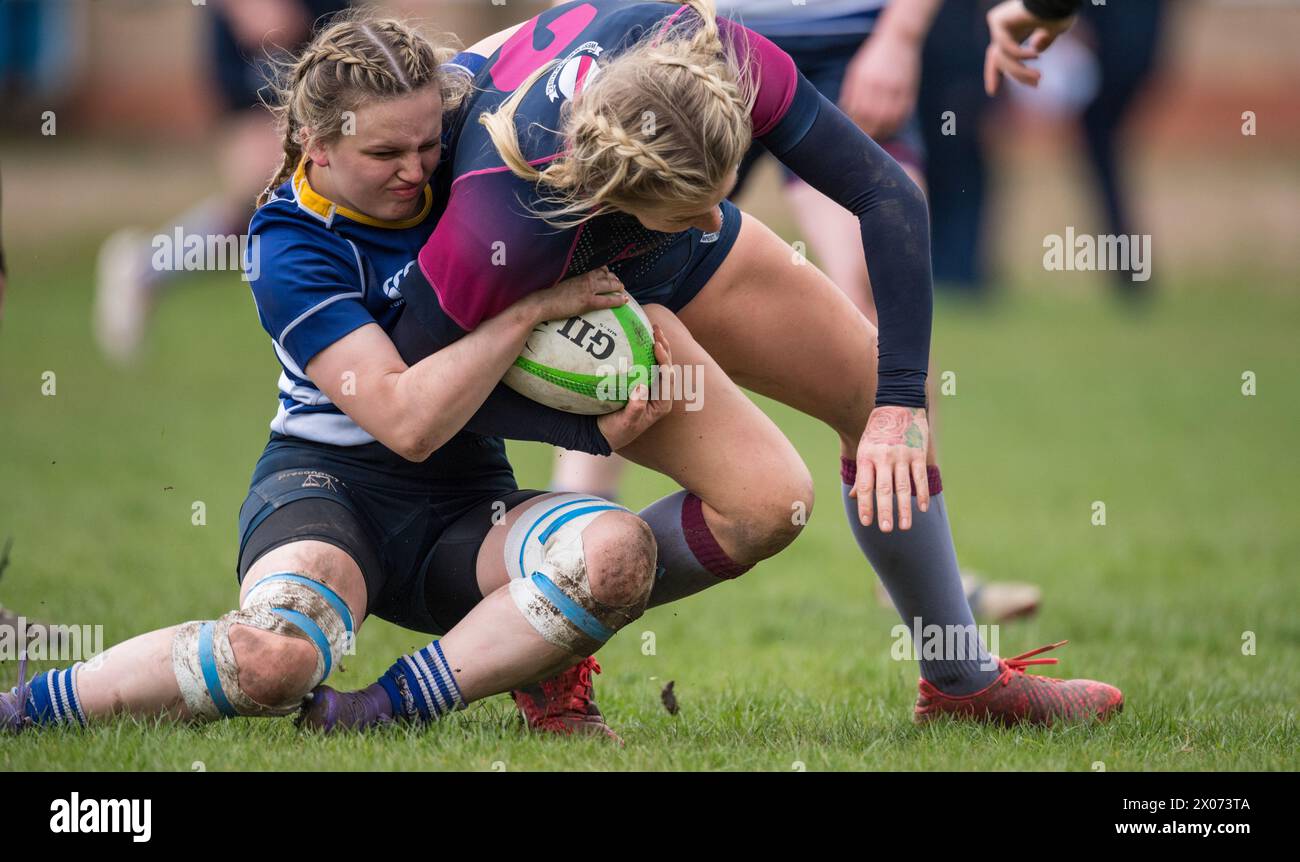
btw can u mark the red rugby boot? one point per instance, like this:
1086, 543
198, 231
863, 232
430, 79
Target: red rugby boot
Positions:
563, 704
1016, 697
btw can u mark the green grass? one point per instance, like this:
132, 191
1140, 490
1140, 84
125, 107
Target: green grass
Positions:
1062, 400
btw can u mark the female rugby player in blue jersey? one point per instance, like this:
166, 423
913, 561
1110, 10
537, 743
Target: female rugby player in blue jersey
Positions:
605, 133
369, 497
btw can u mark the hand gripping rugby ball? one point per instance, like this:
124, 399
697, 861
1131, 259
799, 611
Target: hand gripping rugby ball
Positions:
586, 364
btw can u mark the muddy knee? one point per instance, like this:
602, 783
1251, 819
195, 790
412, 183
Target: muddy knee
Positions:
272, 669
619, 549
260, 660
580, 569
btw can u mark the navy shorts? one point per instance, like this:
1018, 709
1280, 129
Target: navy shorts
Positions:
413, 529
674, 273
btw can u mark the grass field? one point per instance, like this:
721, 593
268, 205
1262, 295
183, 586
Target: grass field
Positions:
1062, 400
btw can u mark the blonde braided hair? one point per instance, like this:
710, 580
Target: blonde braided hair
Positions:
355, 59
662, 126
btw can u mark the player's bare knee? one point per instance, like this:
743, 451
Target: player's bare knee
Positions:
776, 515
620, 551
272, 668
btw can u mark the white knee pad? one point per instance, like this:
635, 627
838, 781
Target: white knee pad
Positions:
285, 604
548, 574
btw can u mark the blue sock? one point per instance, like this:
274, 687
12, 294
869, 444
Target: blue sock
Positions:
52, 698
421, 686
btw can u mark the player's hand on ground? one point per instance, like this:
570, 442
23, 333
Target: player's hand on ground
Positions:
891, 461
643, 408
599, 288
881, 83
1017, 35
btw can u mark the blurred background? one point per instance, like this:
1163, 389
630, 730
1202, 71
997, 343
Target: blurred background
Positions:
139, 122
1069, 388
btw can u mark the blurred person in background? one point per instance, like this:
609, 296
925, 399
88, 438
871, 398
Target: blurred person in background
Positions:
951, 74
1109, 58
1125, 38
35, 49
3, 271
241, 36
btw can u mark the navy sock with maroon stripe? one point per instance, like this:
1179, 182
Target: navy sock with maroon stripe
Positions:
690, 558
918, 567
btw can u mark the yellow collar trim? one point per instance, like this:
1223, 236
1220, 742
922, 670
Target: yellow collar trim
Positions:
313, 201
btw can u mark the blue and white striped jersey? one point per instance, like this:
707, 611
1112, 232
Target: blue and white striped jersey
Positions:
804, 17
323, 271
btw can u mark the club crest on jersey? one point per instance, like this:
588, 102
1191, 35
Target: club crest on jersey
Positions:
391, 283
577, 70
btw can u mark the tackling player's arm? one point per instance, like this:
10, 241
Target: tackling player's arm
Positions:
415, 409
478, 261
311, 299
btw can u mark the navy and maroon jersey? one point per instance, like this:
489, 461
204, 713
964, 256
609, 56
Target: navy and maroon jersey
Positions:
490, 248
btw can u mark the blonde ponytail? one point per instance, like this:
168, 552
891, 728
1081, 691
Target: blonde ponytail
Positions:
663, 125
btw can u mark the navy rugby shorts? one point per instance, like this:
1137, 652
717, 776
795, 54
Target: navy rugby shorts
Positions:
672, 274
414, 530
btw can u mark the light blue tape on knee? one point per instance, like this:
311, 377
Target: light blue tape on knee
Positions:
524, 544
208, 663
569, 516
340, 607
308, 625
591, 627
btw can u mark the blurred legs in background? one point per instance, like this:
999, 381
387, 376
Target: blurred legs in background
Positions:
128, 285
952, 81
1125, 38
241, 41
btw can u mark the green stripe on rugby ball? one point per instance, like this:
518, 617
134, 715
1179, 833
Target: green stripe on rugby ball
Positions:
639, 339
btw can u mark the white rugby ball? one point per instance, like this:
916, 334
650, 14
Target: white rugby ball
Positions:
586, 364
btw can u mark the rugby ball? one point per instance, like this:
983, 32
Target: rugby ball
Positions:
586, 364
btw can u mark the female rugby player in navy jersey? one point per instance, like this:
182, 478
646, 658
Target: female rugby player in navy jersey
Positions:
369, 497
605, 133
